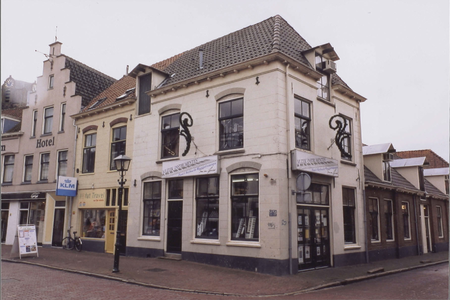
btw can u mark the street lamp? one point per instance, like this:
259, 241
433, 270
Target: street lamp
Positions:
122, 163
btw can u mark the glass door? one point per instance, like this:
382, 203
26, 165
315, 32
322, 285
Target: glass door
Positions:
313, 243
174, 224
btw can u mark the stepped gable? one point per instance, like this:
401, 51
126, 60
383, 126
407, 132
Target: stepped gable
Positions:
89, 82
434, 160
110, 95
269, 36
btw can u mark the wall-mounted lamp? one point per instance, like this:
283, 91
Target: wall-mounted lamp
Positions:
207, 93
257, 80
131, 117
103, 124
134, 182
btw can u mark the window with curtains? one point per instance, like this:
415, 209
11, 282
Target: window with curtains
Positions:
231, 124
48, 120
118, 144
8, 168
28, 168
45, 162
152, 208
90, 142
62, 163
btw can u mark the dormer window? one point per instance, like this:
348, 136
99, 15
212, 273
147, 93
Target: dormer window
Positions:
322, 83
386, 171
145, 85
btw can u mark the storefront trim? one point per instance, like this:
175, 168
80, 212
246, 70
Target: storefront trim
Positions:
307, 162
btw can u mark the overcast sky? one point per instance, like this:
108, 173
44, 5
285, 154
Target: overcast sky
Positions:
393, 52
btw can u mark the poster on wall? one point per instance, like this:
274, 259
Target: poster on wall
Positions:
26, 236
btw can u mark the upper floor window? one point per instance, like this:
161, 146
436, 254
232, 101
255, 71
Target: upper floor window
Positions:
323, 82
8, 168
48, 120
28, 167
51, 81
302, 124
231, 121
34, 122
62, 163
118, 144
45, 161
90, 142
170, 136
63, 117
145, 85
347, 141
386, 171
349, 205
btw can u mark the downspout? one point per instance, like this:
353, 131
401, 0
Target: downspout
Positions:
366, 243
288, 131
395, 223
416, 220
73, 170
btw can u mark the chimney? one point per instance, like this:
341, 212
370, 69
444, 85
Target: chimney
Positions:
200, 58
55, 49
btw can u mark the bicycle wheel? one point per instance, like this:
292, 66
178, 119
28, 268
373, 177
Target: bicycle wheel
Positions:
78, 245
67, 243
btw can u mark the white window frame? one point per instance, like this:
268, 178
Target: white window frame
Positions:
62, 116
44, 119
51, 81
25, 167
4, 169
34, 119
40, 166
58, 162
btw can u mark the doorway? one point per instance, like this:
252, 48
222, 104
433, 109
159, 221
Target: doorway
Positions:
174, 226
425, 225
5, 214
110, 231
58, 224
313, 241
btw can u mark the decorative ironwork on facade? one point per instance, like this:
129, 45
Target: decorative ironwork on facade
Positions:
185, 123
339, 123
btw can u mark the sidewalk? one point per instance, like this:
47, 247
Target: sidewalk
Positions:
195, 277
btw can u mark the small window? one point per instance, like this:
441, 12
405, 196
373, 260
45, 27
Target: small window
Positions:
386, 171
152, 208
8, 168
231, 122
118, 144
302, 124
245, 207
48, 120
34, 122
389, 220
28, 167
45, 161
207, 207
63, 117
51, 81
62, 163
90, 142
348, 202
170, 135
374, 219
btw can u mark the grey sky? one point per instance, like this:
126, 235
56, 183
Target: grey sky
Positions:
393, 52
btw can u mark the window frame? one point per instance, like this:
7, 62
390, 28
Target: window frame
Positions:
143, 109
349, 211
406, 209
120, 143
27, 168
389, 220
323, 83
247, 200
61, 161
62, 118
154, 210
51, 81
347, 141
206, 222
440, 225
47, 120
89, 156
299, 115
374, 214
386, 169
34, 123
43, 164
8, 166
238, 134
168, 132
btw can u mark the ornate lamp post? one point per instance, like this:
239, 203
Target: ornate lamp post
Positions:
122, 163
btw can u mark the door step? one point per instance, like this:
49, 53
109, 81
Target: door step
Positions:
171, 256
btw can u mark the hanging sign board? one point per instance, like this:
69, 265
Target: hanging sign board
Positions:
26, 236
192, 167
66, 186
307, 162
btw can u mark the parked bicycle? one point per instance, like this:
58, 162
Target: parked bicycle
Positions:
70, 243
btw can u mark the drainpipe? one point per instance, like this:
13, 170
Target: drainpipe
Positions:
416, 220
366, 244
288, 131
73, 171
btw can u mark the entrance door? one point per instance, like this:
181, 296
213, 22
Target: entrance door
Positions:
174, 223
58, 227
110, 231
313, 237
426, 237
123, 231
5, 214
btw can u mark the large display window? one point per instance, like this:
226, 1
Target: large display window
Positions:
93, 223
207, 208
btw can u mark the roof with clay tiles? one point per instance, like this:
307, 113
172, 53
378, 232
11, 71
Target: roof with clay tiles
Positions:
434, 160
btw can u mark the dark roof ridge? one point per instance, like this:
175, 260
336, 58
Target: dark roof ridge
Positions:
89, 68
276, 45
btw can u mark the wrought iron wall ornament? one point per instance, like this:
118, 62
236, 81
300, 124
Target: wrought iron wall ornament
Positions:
339, 123
185, 123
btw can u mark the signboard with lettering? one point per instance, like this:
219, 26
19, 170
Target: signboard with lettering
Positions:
307, 162
66, 186
95, 198
191, 167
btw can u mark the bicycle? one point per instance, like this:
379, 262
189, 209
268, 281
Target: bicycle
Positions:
70, 243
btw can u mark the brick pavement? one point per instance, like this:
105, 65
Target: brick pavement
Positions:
195, 277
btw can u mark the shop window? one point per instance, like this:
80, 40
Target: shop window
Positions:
48, 120
62, 163
231, 122
406, 221
389, 219
34, 122
152, 208
245, 207
207, 207
45, 161
90, 143
145, 83
8, 168
118, 144
94, 221
170, 135
63, 117
28, 167
348, 202
439, 221
374, 219
302, 124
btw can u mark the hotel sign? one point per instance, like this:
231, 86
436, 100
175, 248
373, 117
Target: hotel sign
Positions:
192, 167
306, 162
